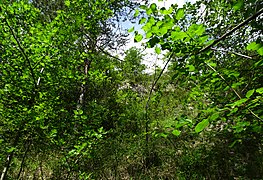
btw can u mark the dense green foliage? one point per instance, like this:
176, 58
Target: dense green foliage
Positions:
71, 110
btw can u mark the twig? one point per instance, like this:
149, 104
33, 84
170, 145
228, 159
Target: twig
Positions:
10, 157
232, 30
23, 52
39, 78
223, 37
236, 53
232, 89
223, 80
147, 105
23, 160
155, 82
105, 52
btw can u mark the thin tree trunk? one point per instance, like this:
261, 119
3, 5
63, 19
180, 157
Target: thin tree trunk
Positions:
83, 87
9, 158
8, 162
23, 160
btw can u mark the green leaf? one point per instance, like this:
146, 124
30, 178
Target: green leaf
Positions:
239, 102
260, 51
232, 111
152, 42
190, 67
142, 20
183, 122
138, 38
168, 25
151, 21
212, 64
163, 11
149, 11
238, 5
67, 3
170, 10
153, 7
200, 30
143, 7
136, 13
159, 23
162, 31
178, 35
131, 30
84, 117
147, 27
253, 46
149, 34
158, 50
201, 125
155, 29
214, 116
176, 132
12, 149
179, 14
163, 135
260, 90
250, 93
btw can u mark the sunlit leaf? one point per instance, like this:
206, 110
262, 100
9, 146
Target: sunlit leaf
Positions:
253, 46
162, 31
138, 38
260, 51
214, 116
201, 125
239, 102
238, 5
190, 67
163, 135
260, 90
149, 11
250, 93
149, 34
176, 132
136, 13
158, 50
178, 35
12, 149
179, 14
131, 30
67, 3
200, 30
143, 7
153, 6
142, 20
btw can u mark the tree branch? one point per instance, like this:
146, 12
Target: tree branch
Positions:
147, 105
103, 51
23, 52
232, 31
232, 89
236, 53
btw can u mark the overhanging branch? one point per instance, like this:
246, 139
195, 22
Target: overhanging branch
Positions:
254, 16
236, 53
23, 52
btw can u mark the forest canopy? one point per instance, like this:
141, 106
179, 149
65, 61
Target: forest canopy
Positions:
70, 108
